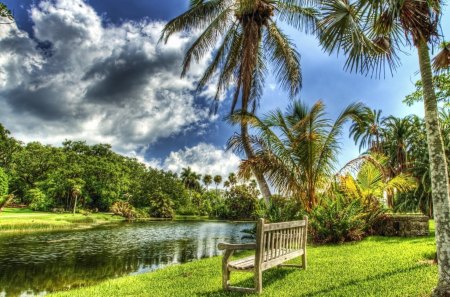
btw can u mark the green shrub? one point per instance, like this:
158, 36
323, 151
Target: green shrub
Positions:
38, 200
161, 206
339, 219
282, 209
241, 202
124, 209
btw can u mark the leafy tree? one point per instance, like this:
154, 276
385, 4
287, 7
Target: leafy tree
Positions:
3, 183
297, 149
207, 180
38, 200
190, 178
250, 40
371, 33
241, 202
441, 83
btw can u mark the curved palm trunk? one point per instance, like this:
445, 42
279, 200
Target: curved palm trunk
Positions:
251, 42
438, 172
262, 183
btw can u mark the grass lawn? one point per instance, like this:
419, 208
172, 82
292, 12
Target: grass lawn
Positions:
377, 266
26, 220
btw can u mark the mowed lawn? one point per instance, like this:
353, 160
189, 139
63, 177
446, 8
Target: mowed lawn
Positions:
377, 266
25, 220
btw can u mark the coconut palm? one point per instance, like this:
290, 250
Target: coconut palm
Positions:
250, 38
190, 179
369, 131
297, 149
207, 180
370, 33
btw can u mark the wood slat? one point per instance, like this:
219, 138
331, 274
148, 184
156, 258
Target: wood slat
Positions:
283, 225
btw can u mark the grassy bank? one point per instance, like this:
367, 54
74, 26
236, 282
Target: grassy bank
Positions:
24, 220
377, 266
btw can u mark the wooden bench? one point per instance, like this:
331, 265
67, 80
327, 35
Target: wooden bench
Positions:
275, 244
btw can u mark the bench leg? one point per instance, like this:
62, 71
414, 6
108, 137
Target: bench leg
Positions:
258, 281
304, 262
225, 278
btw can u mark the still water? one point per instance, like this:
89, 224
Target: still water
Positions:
39, 264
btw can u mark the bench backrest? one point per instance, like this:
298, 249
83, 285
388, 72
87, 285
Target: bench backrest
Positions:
278, 242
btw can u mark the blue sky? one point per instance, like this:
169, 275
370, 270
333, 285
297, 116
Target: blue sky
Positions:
50, 111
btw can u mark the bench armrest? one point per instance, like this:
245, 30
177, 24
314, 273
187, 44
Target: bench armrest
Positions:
239, 246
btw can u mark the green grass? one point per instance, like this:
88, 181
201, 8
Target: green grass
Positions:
377, 266
13, 220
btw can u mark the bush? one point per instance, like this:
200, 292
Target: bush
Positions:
241, 202
161, 206
283, 209
124, 209
339, 219
38, 200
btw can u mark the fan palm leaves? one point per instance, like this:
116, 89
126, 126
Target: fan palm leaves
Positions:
297, 149
249, 38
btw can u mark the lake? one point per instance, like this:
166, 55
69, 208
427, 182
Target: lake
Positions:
37, 264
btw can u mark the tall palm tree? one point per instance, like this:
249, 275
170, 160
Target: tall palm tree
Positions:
190, 178
207, 180
217, 181
297, 149
397, 134
369, 131
371, 33
232, 179
250, 38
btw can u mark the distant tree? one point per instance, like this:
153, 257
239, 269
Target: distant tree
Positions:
217, 180
207, 180
190, 178
232, 179
226, 184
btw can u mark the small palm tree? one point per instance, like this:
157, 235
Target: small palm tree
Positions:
297, 150
226, 184
217, 181
368, 132
190, 179
250, 39
207, 180
232, 179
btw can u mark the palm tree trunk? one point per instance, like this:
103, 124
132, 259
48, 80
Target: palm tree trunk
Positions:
439, 173
262, 183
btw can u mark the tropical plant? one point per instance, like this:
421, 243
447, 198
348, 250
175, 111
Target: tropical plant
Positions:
368, 131
241, 202
6, 14
190, 178
250, 39
441, 84
297, 150
370, 33
161, 206
207, 180
38, 200
232, 179
217, 180
124, 209
372, 182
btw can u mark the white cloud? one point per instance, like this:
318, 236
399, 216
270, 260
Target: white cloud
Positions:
203, 158
83, 79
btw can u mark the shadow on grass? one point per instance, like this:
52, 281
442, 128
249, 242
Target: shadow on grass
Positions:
275, 275
269, 277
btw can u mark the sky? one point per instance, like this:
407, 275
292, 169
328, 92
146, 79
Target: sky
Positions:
94, 70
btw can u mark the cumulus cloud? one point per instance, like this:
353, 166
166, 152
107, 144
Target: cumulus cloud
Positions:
80, 77
203, 158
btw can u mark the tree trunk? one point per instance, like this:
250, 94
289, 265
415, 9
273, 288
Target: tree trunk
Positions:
438, 172
75, 204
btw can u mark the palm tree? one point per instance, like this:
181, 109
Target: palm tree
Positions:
368, 132
226, 184
372, 180
217, 181
250, 39
6, 14
397, 133
232, 179
190, 179
371, 33
297, 150
207, 180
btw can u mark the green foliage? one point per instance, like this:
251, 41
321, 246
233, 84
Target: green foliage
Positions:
161, 206
441, 87
38, 200
3, 183
283, 209
241, 202
124, 209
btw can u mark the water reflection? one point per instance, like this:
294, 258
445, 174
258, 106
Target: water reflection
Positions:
38, 264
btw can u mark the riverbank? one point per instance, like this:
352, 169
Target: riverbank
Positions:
377, 266
14, 220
